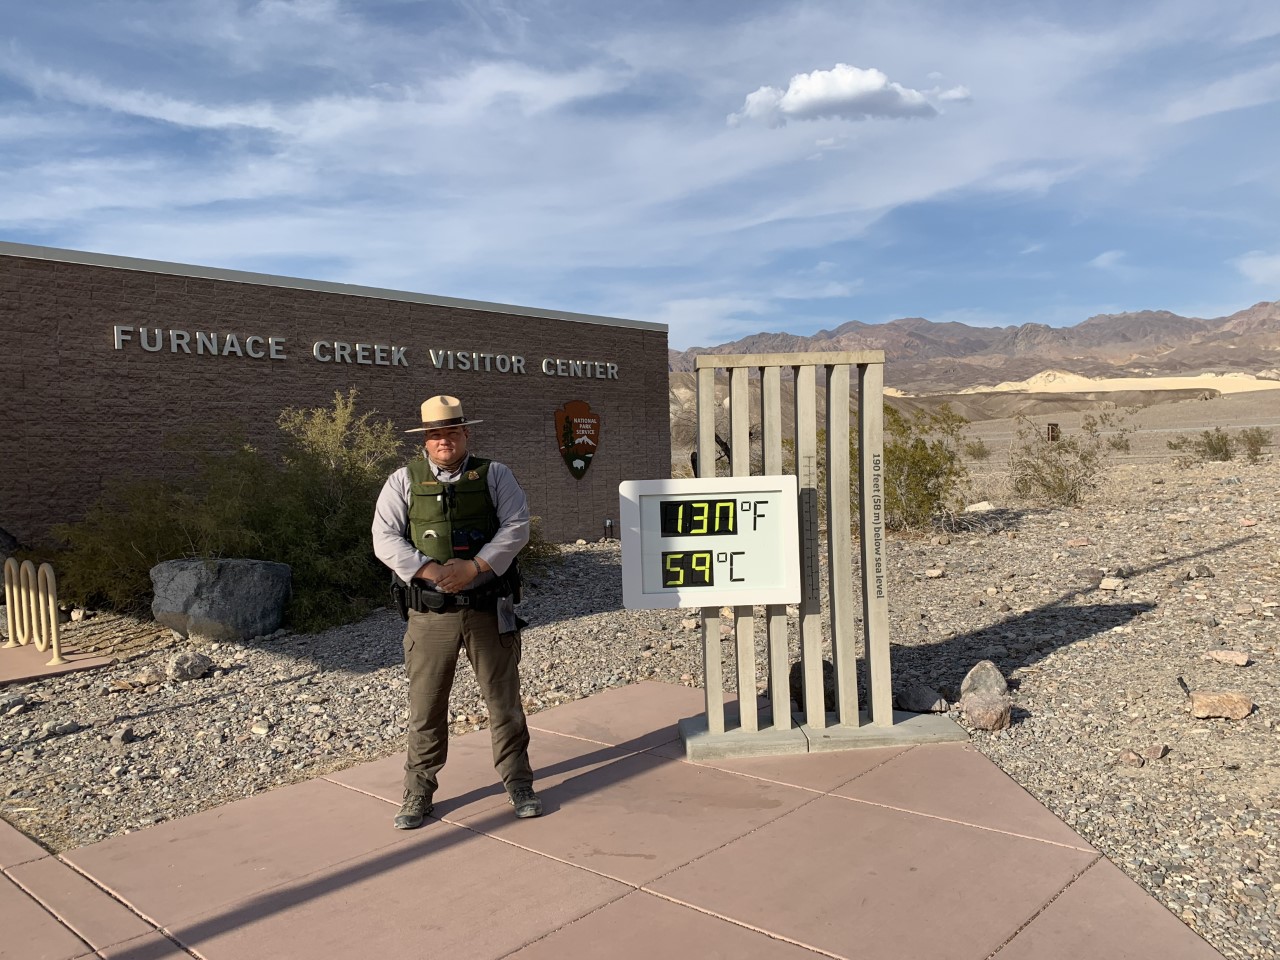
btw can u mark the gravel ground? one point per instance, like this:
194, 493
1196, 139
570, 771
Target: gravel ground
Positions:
1094, 676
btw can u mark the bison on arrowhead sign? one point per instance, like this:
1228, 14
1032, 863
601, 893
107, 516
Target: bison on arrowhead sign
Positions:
578, 435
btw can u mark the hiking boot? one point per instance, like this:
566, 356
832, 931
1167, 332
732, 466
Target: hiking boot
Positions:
414, 810
525, 801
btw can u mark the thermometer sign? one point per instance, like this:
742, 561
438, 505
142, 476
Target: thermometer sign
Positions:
712, 541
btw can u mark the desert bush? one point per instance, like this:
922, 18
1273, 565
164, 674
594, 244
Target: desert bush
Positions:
106, 558
309, 508
1063, 471
977, 449
1215, 444
1253, 439
1219, 446
923, 469
333, 466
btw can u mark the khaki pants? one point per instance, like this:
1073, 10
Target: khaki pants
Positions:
431, 645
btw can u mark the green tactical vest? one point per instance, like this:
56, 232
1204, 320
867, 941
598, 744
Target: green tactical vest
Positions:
451, 519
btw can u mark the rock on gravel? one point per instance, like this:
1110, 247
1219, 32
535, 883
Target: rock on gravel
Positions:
188, 665
984, 680
1237, 658
986, 712
1220, 703
920, 698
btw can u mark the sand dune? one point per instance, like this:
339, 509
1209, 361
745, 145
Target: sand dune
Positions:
1059, 381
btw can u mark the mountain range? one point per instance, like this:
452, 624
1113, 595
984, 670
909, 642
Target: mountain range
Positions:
925, 357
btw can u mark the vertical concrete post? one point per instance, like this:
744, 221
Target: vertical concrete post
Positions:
875, 603
744, 616
775, 613
840, 545
806, 452
712, 667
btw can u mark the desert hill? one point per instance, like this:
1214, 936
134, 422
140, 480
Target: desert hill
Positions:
923, 357
1141, 360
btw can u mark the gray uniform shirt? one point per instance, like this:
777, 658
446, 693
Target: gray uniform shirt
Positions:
391, 543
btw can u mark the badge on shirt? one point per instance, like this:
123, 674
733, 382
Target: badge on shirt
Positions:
473, 475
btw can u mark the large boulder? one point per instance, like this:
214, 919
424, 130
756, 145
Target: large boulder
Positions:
984, 680
221, 599
984, 697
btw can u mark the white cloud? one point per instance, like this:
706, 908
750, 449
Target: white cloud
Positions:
455, 98
1031, 177
1108, 260
1260, 267
954, 94
1250, 88
843, 92
89, 92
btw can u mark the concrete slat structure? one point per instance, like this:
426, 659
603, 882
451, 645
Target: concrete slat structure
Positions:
814, 728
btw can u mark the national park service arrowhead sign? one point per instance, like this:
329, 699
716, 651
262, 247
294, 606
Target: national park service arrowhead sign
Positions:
578, 435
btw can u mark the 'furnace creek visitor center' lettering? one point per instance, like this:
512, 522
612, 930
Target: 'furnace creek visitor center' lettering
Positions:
202, 343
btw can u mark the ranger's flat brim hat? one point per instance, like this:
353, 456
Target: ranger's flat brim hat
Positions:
440, 412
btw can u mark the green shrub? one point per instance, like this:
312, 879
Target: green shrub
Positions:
923, 469
1219, 446
310, 508
333, 467
1253, 439
1216, 445
108, 555
977, 449
1063, 471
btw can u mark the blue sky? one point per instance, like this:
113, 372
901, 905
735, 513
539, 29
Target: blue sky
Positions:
723, 167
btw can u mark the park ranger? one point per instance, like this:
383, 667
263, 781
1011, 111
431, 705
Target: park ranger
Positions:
449, 527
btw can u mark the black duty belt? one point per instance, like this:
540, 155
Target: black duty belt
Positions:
416, 595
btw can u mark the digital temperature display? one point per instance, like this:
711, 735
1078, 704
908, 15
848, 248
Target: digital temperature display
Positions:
692, 569
710, 541
698, 518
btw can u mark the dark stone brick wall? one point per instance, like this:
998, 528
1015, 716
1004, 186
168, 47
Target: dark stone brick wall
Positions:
78, 412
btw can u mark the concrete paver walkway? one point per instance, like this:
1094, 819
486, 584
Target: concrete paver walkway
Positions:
22, 663
926, 851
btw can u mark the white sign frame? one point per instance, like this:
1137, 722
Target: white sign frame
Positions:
643, 543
